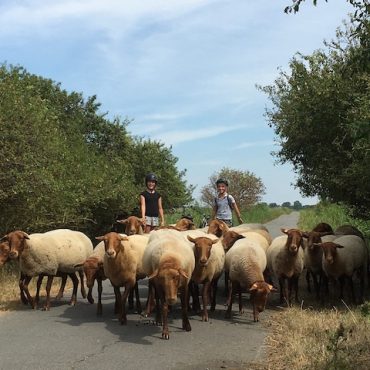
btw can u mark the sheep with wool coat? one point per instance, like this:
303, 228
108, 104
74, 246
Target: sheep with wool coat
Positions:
245, 263
342, 258
209, 263
51, 253
285, 261
169, 262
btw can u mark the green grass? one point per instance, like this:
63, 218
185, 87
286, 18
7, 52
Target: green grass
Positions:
333, 214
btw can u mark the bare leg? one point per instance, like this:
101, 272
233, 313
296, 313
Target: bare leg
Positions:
38, 287
20, 283
25, 283
165, 332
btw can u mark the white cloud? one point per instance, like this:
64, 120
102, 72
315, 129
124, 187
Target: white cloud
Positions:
251, 144
180, 136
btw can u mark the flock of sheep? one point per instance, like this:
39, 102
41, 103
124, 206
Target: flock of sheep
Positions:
176, 259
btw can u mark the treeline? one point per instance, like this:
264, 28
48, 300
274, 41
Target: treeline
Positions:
64, 164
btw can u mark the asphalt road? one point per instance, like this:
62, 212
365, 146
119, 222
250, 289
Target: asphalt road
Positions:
75, 338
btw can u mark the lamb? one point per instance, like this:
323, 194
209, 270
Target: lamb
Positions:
51, 253
342, 258
169, 262
121, 263
133, 225
209, 263
285, 261
245, 263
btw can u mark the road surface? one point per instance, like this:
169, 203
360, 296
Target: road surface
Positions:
75, 338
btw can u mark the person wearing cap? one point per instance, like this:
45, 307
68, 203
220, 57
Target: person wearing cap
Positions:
225, 204
151, 204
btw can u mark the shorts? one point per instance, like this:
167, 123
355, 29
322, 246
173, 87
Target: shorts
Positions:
152, 221
227, 222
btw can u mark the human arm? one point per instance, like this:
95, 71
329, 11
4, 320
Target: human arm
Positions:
238, 215
160, 210
142, 208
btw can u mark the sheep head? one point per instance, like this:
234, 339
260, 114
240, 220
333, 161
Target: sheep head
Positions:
17, 243
4, 252
217, 227
202, 249
112, 243
229, 238
330, 251
294, 241
259, 292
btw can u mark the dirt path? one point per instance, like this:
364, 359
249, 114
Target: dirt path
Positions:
74, 338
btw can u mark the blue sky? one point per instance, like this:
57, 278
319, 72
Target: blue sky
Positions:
184, 71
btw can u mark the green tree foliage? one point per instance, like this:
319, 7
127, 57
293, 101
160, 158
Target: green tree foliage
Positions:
244, 186
64, 164
321, 114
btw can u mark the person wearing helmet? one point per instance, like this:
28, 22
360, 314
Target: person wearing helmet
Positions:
225, 204
151, 204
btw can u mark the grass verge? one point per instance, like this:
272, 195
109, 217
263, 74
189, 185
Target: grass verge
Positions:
317, 340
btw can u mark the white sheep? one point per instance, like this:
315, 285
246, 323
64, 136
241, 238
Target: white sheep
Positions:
342, 258
245, 263
285, 261
169, 262
209, 263
50, 253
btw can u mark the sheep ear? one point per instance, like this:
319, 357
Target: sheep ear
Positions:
191, 239
215, 241
122, 221
78, 265
338, 245
123, 238
285, 231
153, 274
183, 273
253, 287
272, 288
100, 237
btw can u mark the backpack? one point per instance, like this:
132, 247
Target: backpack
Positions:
229, 201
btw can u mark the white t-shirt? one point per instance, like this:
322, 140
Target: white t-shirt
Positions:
224, 212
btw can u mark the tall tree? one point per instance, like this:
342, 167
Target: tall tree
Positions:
244, 186
321, 114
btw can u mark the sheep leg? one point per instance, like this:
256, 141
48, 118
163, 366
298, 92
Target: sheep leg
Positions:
308, 280
352, 290
20, 284
99, 310
283, 291
316, 285
184, 297
128, 289
74, 278
158, 316
62, 286
90, 298
229, 294
214, 294
232, 292
195, 296
205, 293
227, 283
150, 303
38, 287
118, 303
24, 287
165, 332
137, 297
131, 300
295, 287
241, 311
341, 286
83, 290
48, 288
